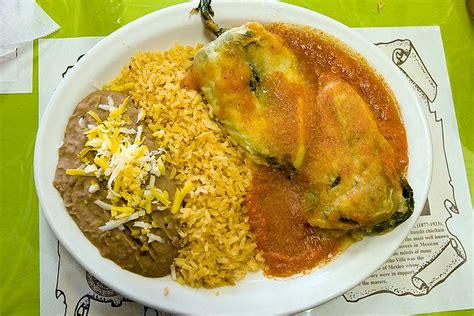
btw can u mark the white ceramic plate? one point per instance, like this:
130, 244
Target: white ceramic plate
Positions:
256, 294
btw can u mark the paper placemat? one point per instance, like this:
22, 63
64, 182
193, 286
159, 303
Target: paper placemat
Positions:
433, 262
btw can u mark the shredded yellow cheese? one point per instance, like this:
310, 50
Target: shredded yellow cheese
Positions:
95, 116
101, 162
124, 162
161, 196
179, 196
161, 166
120, 110
78, 172
121, 211
83, 152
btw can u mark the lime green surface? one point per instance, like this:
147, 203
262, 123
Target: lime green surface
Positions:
19, 246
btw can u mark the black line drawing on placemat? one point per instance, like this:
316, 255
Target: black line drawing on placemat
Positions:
441, 253
58, 292
79, 303
71, 66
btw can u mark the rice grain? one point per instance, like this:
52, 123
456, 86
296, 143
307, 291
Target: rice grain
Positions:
217, 245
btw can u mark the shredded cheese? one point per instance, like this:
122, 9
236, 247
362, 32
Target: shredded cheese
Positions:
78, 172
161, 166
95, 116
110, 101
121, 211
179, 196
142, 224
163, 197
122, 160
103, 205
118, 222
153, 237
105, 107
94, 187
82, 123
141, 115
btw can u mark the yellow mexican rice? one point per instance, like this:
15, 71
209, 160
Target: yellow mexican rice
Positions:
218, 248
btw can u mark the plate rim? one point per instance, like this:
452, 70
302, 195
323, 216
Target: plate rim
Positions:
123, 30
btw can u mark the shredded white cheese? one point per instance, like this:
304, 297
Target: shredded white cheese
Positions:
110, 101
90, 168
127, 130
94, 187
142, 224
139, 134
117, 222
141, 115
104, 107
103, 205
82, 123
153, 237
151, 184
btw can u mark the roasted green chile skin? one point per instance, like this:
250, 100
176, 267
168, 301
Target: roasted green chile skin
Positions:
321, 131
244, 75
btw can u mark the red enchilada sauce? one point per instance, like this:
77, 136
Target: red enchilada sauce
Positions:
288, 243
319, 54
276, 204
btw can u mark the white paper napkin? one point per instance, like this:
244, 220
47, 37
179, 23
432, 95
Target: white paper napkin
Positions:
23, 21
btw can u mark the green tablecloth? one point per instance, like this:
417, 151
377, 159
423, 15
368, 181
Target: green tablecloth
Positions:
19, 246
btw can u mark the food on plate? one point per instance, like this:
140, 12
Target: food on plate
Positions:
353, 178
301, 102
109, 177
274, 146
217, 246
194, 154
252, 81
355, 98
276, 206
